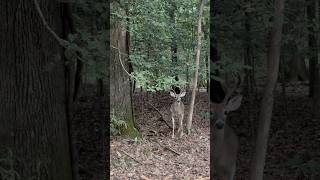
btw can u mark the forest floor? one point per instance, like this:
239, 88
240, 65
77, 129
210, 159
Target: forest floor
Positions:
293, 147
294, 141
157, 155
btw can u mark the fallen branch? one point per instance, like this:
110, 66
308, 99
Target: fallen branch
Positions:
131, 157
168, 148
162, 117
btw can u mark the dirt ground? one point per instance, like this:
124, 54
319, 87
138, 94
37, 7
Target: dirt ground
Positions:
293, 145
294, 139
158, 156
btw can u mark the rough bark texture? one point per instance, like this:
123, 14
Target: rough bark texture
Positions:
174, 45
33, 120
120, 90
215, 94
267, 101
312, 43
315, 56
196, 74
248, 57
317, 86
298, 69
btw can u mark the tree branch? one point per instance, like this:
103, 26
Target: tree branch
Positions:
62, 42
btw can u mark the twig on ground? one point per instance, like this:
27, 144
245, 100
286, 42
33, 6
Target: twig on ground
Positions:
168, 148
162, 117
131, 157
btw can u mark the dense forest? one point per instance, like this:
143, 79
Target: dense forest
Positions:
129, 89
53, 77
159, 49
272, 47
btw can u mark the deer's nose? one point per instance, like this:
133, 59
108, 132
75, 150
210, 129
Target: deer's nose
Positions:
219, 124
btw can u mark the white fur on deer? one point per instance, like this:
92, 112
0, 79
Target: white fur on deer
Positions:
177, 112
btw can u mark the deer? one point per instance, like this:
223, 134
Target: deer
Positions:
177, 112
225, 140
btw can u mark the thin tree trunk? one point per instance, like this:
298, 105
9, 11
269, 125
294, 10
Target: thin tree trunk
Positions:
247, 56
268, 99
174, 45
196, 74
72, 86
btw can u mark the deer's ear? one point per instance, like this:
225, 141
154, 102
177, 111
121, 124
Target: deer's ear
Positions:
234, 103
183, 94
172, 94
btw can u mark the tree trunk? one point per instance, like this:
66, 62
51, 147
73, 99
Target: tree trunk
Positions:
316, 101
267, 101
312, 43
174, 45
214, 57
196, 74
73, 79
32, 91
120, 90
248, 60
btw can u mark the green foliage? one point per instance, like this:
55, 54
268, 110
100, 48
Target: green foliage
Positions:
204, 114
88, 43
117, 124
155, 27
238, 25
243, 23
225, 67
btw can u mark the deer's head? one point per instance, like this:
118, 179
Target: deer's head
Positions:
177, 96
226, 104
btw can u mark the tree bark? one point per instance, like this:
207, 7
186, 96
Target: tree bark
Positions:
267, 101
174, 44
120, 90
216, 91
32, 91
197, 61
316, 101
312, 43
249, 74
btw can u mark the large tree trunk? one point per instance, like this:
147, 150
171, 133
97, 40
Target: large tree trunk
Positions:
196, 74
312, 43
313, 13
267, 101
317, 80
120, 90
32, 91
213, 84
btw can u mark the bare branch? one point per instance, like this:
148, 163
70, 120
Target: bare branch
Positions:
62, 42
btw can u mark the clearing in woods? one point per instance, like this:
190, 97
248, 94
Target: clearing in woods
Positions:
158, 155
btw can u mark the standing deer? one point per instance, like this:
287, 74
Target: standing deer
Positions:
224, 138
177, 112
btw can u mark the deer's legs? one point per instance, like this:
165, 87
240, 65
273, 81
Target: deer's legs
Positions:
172, 127
180, 129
